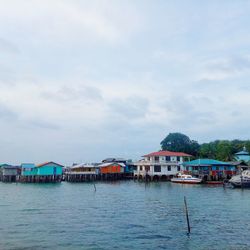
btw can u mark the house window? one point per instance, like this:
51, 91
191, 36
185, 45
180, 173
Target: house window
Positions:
140, 168
135, 168
178, 158
157, 158
148, 158
157, 168
167, 158
173, 158
147, 168
178, 168
169, 168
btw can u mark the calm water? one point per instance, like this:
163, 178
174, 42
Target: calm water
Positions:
123, 215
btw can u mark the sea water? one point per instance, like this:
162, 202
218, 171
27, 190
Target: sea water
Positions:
122, 215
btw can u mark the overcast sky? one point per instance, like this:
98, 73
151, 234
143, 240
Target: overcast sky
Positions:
84, 80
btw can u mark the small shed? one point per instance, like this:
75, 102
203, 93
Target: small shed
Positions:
112, 168
9, 173
82, 172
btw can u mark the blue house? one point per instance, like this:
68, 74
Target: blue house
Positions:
45, 172
28, 169
49, 169
209, 169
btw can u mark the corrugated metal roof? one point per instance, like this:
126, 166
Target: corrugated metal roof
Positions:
10, 167
111, 163
4, 165
83, 165
236, 163
47, 163
114, 160
28, 165
205, 162
167, 153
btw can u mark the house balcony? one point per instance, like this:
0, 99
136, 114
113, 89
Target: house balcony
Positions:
81, 173
148, 163
153, 173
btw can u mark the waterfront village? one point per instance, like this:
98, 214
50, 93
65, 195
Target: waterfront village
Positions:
157, 166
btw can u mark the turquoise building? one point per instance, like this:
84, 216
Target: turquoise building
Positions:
210, 169
49, 169
45, 172
243, 155
28, 169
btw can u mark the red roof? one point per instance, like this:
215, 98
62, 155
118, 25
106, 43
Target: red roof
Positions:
166, 153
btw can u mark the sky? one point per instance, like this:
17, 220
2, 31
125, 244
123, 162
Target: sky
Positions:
81, 81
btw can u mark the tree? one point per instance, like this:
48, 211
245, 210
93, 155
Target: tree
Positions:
180, 143
208, 150
224, 151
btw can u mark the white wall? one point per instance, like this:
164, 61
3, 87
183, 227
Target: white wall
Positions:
164, 170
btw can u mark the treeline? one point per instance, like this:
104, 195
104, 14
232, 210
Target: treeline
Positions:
222, 150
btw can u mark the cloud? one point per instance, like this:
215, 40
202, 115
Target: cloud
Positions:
134, 107
69, 94
8, 47
7, 114
41, 124
223, 68
102, 78
69, 22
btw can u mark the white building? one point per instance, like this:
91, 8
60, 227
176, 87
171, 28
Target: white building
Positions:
160, 165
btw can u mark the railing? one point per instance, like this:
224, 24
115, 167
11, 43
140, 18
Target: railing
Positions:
158, 162
80, 173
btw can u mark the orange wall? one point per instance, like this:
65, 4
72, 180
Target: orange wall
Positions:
111, 169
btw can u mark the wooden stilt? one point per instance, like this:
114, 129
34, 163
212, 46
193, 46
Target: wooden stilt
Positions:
187, 217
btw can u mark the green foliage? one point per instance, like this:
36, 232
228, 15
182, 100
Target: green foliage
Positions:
208, 150
180, 143
222, 150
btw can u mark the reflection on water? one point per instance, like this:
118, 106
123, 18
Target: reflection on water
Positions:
122, 215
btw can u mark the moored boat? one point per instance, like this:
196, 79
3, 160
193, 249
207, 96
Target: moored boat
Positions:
214, 182
242, 180
186, 179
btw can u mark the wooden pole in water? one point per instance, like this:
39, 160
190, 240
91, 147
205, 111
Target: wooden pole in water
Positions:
95, 187
186, 210
241, 177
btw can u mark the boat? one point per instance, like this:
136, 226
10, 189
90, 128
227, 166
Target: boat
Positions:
186, 179
214, 182
242, 180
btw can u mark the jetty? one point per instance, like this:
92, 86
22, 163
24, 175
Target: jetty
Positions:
155, 166
111, 169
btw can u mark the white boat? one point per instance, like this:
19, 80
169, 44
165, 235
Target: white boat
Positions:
186, 179
242, 180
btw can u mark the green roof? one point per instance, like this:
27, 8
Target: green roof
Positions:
205, 162
4, 165
242, 153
